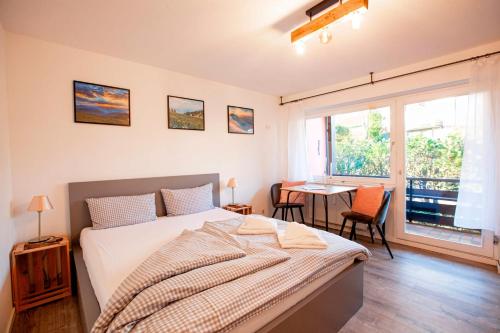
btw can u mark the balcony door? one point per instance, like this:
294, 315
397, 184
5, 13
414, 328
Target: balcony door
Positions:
433, 139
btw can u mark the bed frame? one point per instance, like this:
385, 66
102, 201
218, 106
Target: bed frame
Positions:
327, 309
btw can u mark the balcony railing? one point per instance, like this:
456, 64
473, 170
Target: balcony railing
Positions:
431, 200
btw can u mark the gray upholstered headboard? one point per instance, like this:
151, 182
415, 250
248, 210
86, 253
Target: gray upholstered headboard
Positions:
78, 192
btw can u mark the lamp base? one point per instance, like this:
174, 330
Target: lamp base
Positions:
42, 239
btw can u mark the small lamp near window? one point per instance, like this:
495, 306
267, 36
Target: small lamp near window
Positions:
232, 184
39, 204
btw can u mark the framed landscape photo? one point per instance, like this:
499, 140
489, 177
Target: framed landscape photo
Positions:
100, 104
185, 113
240, 120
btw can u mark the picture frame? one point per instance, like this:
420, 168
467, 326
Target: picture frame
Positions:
101, 104
240, 120
185, 113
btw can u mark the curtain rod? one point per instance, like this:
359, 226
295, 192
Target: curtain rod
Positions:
372, 81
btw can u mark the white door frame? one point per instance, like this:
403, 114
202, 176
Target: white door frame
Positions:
487, 248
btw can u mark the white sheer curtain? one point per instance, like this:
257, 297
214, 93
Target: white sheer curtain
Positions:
478, 205
298, 168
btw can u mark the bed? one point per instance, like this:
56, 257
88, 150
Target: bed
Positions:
322, 306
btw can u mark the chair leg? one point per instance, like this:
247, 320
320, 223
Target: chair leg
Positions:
342, 228
371, 232
353, 230
291, 211
301, 214
283, 214
286, 213
275, 211
384, 241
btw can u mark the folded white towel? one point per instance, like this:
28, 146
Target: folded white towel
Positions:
300, 236
257, 225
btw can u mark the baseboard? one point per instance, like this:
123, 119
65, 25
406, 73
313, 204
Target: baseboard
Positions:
10, 323
453, 253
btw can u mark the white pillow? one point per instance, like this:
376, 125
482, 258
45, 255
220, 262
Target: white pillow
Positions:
188, 200
111, 212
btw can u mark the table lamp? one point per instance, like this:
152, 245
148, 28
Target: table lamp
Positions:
38, 204
232, 184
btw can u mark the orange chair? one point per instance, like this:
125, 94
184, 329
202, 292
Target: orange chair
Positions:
378, 220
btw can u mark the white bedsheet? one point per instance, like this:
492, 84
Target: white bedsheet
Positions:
112, 254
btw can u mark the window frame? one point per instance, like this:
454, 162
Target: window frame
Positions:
397, 181
357, 107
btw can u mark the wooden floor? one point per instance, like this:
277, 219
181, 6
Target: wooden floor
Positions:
58, 316
418, 291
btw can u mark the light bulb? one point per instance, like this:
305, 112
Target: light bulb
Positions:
300, 48
356, 20
325, 36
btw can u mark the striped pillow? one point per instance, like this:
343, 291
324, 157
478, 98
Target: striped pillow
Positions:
111, 212
188, 200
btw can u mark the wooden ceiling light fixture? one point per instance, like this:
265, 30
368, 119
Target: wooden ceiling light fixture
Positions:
353, 8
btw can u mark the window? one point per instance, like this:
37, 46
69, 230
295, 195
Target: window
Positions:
435, 139
435, 131
350, 144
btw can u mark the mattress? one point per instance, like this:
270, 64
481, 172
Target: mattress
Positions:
112, 254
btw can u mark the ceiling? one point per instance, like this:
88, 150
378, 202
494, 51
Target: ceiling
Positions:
246, 43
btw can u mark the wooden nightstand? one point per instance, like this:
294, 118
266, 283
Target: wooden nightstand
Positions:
239, 208
40, 273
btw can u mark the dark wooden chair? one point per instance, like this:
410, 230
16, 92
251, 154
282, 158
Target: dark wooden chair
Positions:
275, 199
378, 221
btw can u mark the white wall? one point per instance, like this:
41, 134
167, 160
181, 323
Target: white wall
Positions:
49, 150
6, 223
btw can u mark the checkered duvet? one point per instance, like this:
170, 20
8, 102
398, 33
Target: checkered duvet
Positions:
212, 279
